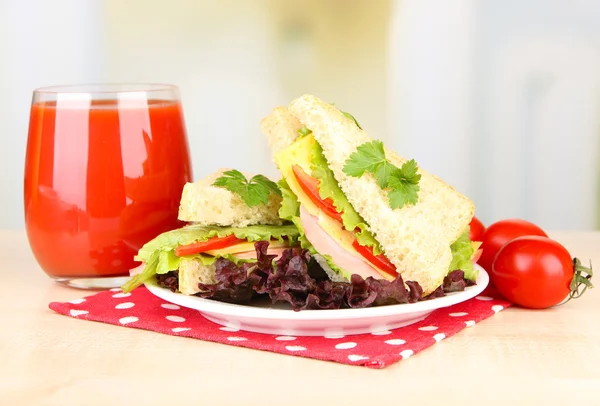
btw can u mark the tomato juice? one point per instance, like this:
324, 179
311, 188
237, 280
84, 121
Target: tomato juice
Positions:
102, 177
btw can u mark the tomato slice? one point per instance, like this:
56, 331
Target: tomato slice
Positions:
214, 243
310, 186
379, 261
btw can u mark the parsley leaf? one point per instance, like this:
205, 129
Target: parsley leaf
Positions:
370, 157
268, 183
253, 192
403, 182
408, 171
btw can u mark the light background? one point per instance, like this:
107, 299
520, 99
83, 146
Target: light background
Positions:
500, 99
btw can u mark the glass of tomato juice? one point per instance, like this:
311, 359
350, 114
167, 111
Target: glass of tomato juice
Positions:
104, 170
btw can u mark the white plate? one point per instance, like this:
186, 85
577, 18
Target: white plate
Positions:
263, 317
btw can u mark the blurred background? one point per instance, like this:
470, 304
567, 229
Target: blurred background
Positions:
501, 99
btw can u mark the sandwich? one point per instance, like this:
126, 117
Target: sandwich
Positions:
232, 218
363, 209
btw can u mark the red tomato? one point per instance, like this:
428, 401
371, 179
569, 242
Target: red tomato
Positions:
501, 232
533, 272
214, 243
310, 186
476, 229
379, 261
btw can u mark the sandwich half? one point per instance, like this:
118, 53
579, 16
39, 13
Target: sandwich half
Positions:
227, 212
362, 208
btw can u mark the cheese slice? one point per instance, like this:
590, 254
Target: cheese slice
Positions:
244, 247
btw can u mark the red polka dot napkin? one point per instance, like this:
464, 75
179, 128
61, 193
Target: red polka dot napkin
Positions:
141, 309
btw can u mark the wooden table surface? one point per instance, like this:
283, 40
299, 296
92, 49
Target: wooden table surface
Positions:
515, 357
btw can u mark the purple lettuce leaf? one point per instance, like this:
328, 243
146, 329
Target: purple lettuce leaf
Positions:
454, 282
297, 279
233, 284
169, 280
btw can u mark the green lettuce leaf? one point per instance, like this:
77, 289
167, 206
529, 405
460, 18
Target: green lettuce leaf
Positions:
304, 243
159, 257
167, 261
329, 188
462, 252
290, 207
290, 210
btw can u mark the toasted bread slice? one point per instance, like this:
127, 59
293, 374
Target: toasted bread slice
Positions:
192, 272
210, 205
416, 239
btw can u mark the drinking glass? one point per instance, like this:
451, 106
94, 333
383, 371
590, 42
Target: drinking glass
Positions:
104, 170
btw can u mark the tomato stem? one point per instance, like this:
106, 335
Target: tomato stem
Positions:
582, 276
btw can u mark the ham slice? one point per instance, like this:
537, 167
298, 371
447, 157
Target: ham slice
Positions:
326, 245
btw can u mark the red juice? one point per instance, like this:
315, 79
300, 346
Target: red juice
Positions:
100, 181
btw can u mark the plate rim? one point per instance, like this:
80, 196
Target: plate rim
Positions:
240, 310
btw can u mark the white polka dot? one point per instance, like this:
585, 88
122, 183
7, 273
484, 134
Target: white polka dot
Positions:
345, 346
406, 354
428, 328
229, 329
458, 314
175, 319
116, 290
76, 313
497, 308
333, 336
470, 323
439, 337
354, 357
237, 338
77, 301
126, 305
180, 329
128, 319
395, 341
294, 348
121, 295
485, 298
381, 333
285, 338
170, 306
